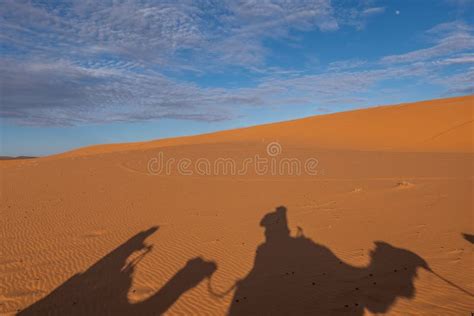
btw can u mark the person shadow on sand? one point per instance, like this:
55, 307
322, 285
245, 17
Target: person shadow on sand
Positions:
103, 288
296, 276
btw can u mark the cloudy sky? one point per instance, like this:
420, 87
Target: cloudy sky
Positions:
80, 72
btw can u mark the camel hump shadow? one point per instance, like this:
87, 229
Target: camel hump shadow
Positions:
296, 276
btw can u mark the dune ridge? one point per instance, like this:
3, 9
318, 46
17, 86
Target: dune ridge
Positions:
446, 126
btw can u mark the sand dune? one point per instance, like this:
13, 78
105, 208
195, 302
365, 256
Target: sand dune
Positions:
438, 125
382, 223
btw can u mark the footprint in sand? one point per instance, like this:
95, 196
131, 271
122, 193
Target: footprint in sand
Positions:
404, 185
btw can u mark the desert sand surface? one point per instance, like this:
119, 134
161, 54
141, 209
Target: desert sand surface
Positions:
382, 222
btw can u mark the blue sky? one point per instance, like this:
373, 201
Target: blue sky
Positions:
80, 72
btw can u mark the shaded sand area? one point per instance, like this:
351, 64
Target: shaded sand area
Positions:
380, 220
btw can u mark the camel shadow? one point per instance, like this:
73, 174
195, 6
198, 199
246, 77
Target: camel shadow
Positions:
103, 288
296, 276
469, 237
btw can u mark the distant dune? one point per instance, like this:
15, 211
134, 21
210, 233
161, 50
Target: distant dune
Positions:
428, 126
17, 157
361, 212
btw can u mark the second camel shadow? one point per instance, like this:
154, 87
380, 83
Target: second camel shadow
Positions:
296, 276
103, 288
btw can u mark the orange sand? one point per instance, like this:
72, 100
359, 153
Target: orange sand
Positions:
91, 231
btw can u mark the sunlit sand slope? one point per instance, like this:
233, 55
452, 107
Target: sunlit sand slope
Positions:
437, 125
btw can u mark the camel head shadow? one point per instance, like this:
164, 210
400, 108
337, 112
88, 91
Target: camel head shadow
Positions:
397, 269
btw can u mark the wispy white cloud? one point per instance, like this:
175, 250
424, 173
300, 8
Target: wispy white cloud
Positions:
346, 64
449, 38
457, 60
357, 15
458, 83
373, 10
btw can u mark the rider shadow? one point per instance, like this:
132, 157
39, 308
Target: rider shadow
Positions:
296, 276
103, 288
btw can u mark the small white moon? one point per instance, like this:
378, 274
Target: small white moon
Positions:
397, 12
